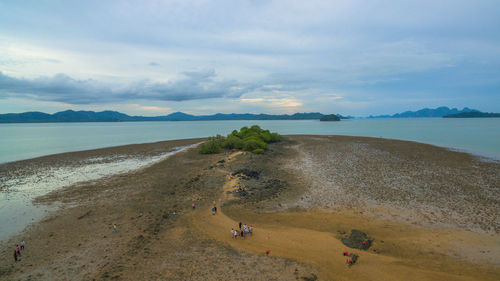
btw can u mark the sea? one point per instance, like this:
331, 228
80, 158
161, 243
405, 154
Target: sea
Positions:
479, 136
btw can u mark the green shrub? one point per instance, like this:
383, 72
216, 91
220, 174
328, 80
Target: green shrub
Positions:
243, 131
217, 139
275, 137
265, 136
248, 139
209, 148
258, 151
232, 141
252, 143
212, 145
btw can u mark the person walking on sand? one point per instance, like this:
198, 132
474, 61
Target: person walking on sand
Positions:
15, 256
213, 210
115, 228
22, 245
245, 228
232, 233
242, 234
18, 250
251, 230
240, 225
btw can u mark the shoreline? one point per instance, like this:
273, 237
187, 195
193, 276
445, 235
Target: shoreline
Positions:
76, 241
24, 142
487, 156
24, 182
97, 150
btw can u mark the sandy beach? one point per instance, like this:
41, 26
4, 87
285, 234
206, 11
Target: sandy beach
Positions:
428, 212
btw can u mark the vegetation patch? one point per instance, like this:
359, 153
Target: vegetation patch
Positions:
252, 139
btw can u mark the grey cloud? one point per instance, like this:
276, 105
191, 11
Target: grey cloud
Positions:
62, 88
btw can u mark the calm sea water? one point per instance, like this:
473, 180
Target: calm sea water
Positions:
22, 141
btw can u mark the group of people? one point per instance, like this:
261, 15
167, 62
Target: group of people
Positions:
17, 251
238, 188
351, 258
244, 231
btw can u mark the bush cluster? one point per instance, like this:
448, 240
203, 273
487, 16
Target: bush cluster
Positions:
252, 139
212, 145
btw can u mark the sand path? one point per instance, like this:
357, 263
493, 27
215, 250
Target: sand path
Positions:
319, 249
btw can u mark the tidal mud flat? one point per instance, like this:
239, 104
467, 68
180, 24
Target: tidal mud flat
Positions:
411, 182
306, 194
24, 181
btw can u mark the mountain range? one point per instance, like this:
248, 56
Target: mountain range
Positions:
427, 112
114, 116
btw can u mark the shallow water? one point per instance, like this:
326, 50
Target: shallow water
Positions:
17, 193
24, 141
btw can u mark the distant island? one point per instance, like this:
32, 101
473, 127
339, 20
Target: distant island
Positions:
475, 114
114, 116
331, 117
427, 112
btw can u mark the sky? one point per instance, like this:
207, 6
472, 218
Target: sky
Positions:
202, 57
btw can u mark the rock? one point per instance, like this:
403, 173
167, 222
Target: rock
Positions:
356, 239
247, 173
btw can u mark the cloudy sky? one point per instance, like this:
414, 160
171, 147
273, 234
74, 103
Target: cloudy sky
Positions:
201, 57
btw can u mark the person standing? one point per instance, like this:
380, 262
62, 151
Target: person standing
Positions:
115, 228
18, 250
240, 225
22, 245
15, 256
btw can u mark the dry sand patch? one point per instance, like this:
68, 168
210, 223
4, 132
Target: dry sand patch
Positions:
323, 250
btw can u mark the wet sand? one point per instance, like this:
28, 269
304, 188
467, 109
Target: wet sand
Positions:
25, 181
299, 218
